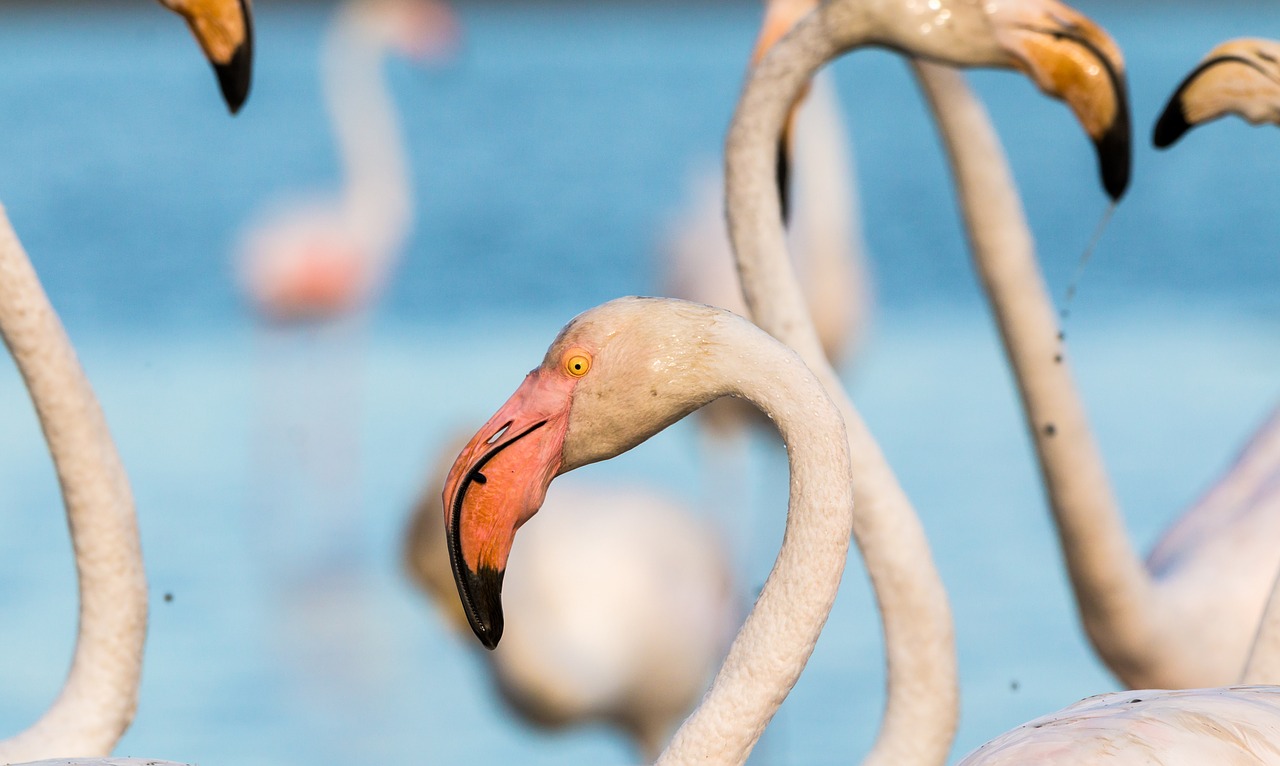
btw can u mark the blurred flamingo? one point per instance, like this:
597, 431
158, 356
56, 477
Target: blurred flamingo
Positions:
633, 644
313, 271
331, 258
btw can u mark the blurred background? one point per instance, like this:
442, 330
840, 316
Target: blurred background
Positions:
549, 154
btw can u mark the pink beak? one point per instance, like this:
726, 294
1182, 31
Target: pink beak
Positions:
497, 483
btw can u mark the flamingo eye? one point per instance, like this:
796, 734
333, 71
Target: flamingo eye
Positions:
577, 363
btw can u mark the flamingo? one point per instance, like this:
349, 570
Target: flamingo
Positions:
616, 375
224, 30
633, 645
100, 694
1188, 616
1067, 56
331, 258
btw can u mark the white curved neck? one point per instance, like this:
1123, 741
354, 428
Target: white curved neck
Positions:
1112, 587
98, 699
922, 705
780, 632
377, 195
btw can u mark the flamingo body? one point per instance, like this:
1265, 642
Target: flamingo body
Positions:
634, 644
1233, 726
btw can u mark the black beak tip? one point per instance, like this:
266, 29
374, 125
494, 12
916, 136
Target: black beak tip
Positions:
481, 594
235, 76
1171, 125
1115, 157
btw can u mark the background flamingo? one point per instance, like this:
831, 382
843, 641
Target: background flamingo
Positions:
327, 259
634, 644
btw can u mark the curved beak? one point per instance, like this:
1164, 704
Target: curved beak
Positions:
497, 483
1238, 77
224, 29
780, 16
1071, 58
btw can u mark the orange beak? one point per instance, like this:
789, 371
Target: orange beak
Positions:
1240, 76
224, 29
497, 483
1071, 58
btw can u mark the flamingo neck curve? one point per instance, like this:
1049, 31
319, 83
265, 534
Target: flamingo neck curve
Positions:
922, 705
99, 697
377, 195
779, 634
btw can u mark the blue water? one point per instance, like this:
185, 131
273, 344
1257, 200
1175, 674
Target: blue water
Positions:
546, 160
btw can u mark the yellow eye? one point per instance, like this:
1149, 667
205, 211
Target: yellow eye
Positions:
577, 363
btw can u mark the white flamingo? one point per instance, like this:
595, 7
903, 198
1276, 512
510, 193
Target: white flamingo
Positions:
224, 30
331, 258
634, 644
1189, 615
614, 376
100, 694
1044, 39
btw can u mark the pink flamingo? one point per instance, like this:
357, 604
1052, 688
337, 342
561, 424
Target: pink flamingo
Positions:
331, 258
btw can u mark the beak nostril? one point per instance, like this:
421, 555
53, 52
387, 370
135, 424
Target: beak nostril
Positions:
498, 435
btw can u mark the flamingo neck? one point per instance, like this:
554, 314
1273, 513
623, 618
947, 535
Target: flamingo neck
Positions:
1113, 589
825, 233
99, 696
922, 704
377, 196
779, 634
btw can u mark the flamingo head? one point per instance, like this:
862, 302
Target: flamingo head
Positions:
1071, 58
615, 376
224, 29
418, 30
1239, 77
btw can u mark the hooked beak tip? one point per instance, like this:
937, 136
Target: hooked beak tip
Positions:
1115, 158
481, 594
234, 77
1171, 125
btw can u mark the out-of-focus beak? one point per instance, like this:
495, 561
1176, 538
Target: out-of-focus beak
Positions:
1071, 58
1240, 76
497, 483
224, 29
780, 16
